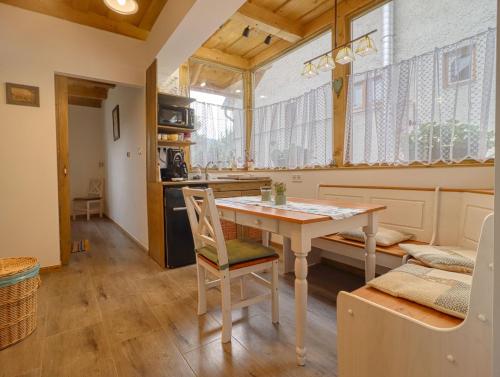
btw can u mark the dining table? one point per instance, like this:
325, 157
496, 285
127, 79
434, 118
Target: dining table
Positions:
299, 221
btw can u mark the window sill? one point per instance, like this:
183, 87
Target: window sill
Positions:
466, 163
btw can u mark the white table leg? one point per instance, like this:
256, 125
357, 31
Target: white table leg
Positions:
288, 257
370, 247
300, 305
266, 237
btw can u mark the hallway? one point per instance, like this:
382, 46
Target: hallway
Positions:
114, 312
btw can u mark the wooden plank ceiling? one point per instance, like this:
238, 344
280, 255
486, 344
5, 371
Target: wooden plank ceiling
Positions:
287, 21
96, 14
87, 93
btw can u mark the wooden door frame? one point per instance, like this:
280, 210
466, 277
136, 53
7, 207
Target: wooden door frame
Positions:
62, 133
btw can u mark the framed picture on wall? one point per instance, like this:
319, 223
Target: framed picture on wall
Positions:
24, 95
116, 122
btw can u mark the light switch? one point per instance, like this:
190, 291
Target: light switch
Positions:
139, 151
297, 178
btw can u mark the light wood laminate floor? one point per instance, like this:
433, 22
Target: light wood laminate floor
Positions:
114, 312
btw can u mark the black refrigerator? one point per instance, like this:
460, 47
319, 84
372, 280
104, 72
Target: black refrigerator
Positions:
179, 246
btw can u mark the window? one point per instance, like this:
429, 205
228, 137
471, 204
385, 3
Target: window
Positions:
292, 118
220, 118
424, 96
459, 65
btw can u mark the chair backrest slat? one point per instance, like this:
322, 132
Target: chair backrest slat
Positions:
96, 187
205, 221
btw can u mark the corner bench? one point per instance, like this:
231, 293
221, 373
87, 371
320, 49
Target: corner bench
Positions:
381, 335
441, 216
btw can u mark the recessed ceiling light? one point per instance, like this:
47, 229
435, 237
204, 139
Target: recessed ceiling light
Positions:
203, 84
237, 91
262, 96
122, 6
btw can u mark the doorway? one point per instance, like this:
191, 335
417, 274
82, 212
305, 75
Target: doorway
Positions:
81, 93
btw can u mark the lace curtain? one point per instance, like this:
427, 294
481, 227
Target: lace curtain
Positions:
434, 107
220, 135
294, 133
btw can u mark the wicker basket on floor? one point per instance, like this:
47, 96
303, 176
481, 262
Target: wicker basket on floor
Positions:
19, 282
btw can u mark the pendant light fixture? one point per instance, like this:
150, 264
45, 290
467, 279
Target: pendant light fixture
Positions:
125, 7
326, 63
345, 55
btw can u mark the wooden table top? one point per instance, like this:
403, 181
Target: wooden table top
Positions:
296, 216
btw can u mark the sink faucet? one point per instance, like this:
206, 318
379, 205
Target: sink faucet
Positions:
206, 169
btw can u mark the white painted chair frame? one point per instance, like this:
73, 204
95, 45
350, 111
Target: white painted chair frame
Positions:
207, 231
376, 341
95, 196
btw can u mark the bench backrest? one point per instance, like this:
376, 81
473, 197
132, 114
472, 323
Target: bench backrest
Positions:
447, 217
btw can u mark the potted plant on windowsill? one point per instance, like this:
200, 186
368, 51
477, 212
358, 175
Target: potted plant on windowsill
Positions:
279, 193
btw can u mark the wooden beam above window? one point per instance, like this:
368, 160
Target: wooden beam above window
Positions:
218, 56
268, 22
311, 29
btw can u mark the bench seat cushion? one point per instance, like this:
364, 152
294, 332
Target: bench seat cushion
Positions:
238, 251
445, 291
384, 236
408, 308
449, 258
393, 250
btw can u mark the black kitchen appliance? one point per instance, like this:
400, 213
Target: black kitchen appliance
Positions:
175, 166
179, 243
175, 111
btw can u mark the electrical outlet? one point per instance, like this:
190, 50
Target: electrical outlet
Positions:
297, 178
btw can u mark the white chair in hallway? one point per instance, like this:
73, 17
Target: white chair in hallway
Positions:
92, 203
227, 260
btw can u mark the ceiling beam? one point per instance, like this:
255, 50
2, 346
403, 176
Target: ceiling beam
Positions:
311, 29
151, 14
91, 83
221, 57
63, 10
88, 102
87, 92
268, 22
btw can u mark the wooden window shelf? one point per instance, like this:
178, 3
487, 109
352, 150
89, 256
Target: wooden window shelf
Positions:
166, 143
173, 130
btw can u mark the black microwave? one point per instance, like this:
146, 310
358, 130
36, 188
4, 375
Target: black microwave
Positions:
175, 116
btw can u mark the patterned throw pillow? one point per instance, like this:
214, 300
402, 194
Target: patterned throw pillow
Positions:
384, 236
449, 258
445, 291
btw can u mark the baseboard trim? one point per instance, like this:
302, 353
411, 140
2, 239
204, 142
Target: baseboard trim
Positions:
132, 238
50, 268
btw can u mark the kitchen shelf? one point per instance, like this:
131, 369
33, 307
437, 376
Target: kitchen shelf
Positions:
166, 143
173, 130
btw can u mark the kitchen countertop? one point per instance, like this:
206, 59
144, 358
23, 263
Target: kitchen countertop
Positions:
213, 181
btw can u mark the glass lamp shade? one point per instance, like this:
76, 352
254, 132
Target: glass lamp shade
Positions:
366, 46
122, 6
326, 63
310, 70
345, 55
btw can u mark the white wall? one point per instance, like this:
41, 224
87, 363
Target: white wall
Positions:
125, 183
456, 177
86, 147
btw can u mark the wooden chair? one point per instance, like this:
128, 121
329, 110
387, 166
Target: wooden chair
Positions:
227, 260
83, 205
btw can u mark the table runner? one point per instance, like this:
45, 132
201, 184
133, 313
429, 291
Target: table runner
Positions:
336, 213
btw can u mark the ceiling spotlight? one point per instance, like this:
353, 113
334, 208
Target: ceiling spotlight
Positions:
203, 84
122, 6
237, 91
246, 32
267, 41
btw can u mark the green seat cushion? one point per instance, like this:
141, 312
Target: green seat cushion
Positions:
238, 251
